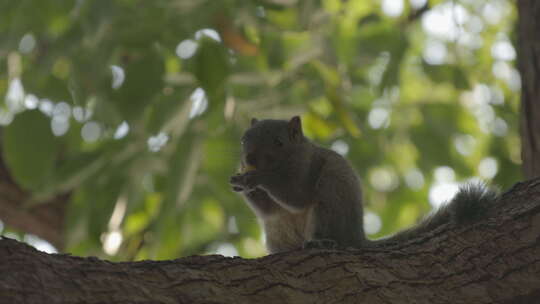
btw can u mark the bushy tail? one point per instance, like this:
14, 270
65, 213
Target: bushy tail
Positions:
470, 204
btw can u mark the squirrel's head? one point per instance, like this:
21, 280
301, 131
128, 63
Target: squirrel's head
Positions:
268, 143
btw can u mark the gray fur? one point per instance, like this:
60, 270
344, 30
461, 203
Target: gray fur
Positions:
303, 193
470, 204
299, 191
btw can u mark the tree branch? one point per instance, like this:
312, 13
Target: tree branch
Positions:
529, 68
45, 219
496, 260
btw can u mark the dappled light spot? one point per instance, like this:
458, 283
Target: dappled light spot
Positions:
497, 96
514, 83
15, 95
208, 32
186, 48
414, 179
441, 193
379, 118
62, 109
340, 147
31, 101
485, 116
464, 144
46, 106
392, 8
81, 114
434, 52
470, 41
469, 36
444, 174
118, 76
383, 179
372, 223
27, 43
475, 25
199, 102
502, 70
59, 125
12, 235
480, 102
503, 50
39, 243
111, 242
445, 20
155, 143
226, 249
493, 11
481, 95
121, 131
499, 127
488, 167
91, 131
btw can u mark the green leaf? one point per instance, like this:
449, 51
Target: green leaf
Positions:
447, 73
30, 149
166, 111
334, 94
184, 163
212, 68
391, 74
143, 81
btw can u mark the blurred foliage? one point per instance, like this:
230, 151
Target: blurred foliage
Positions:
137, 108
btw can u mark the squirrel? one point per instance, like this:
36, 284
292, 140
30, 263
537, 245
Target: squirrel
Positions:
308, 196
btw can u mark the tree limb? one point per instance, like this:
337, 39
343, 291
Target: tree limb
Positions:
529, 68
496, 260
45, 219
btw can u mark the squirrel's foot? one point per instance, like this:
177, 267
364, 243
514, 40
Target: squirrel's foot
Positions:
320, 244
246, 181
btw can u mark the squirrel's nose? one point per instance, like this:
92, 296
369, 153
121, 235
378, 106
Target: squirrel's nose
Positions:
251, 159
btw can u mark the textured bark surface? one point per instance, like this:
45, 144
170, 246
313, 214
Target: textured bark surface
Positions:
495, 260
45, 219
529, 67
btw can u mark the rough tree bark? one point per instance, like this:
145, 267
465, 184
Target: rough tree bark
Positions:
495, 260
529, 66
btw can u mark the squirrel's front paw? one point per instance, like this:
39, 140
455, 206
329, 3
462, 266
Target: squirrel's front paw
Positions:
246, 181
251, 179
236, 183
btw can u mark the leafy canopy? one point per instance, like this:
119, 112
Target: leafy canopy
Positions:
137, 107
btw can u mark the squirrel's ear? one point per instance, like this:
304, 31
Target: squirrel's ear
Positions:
254, 121
295, 128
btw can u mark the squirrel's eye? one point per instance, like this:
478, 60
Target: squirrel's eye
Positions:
278, 142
